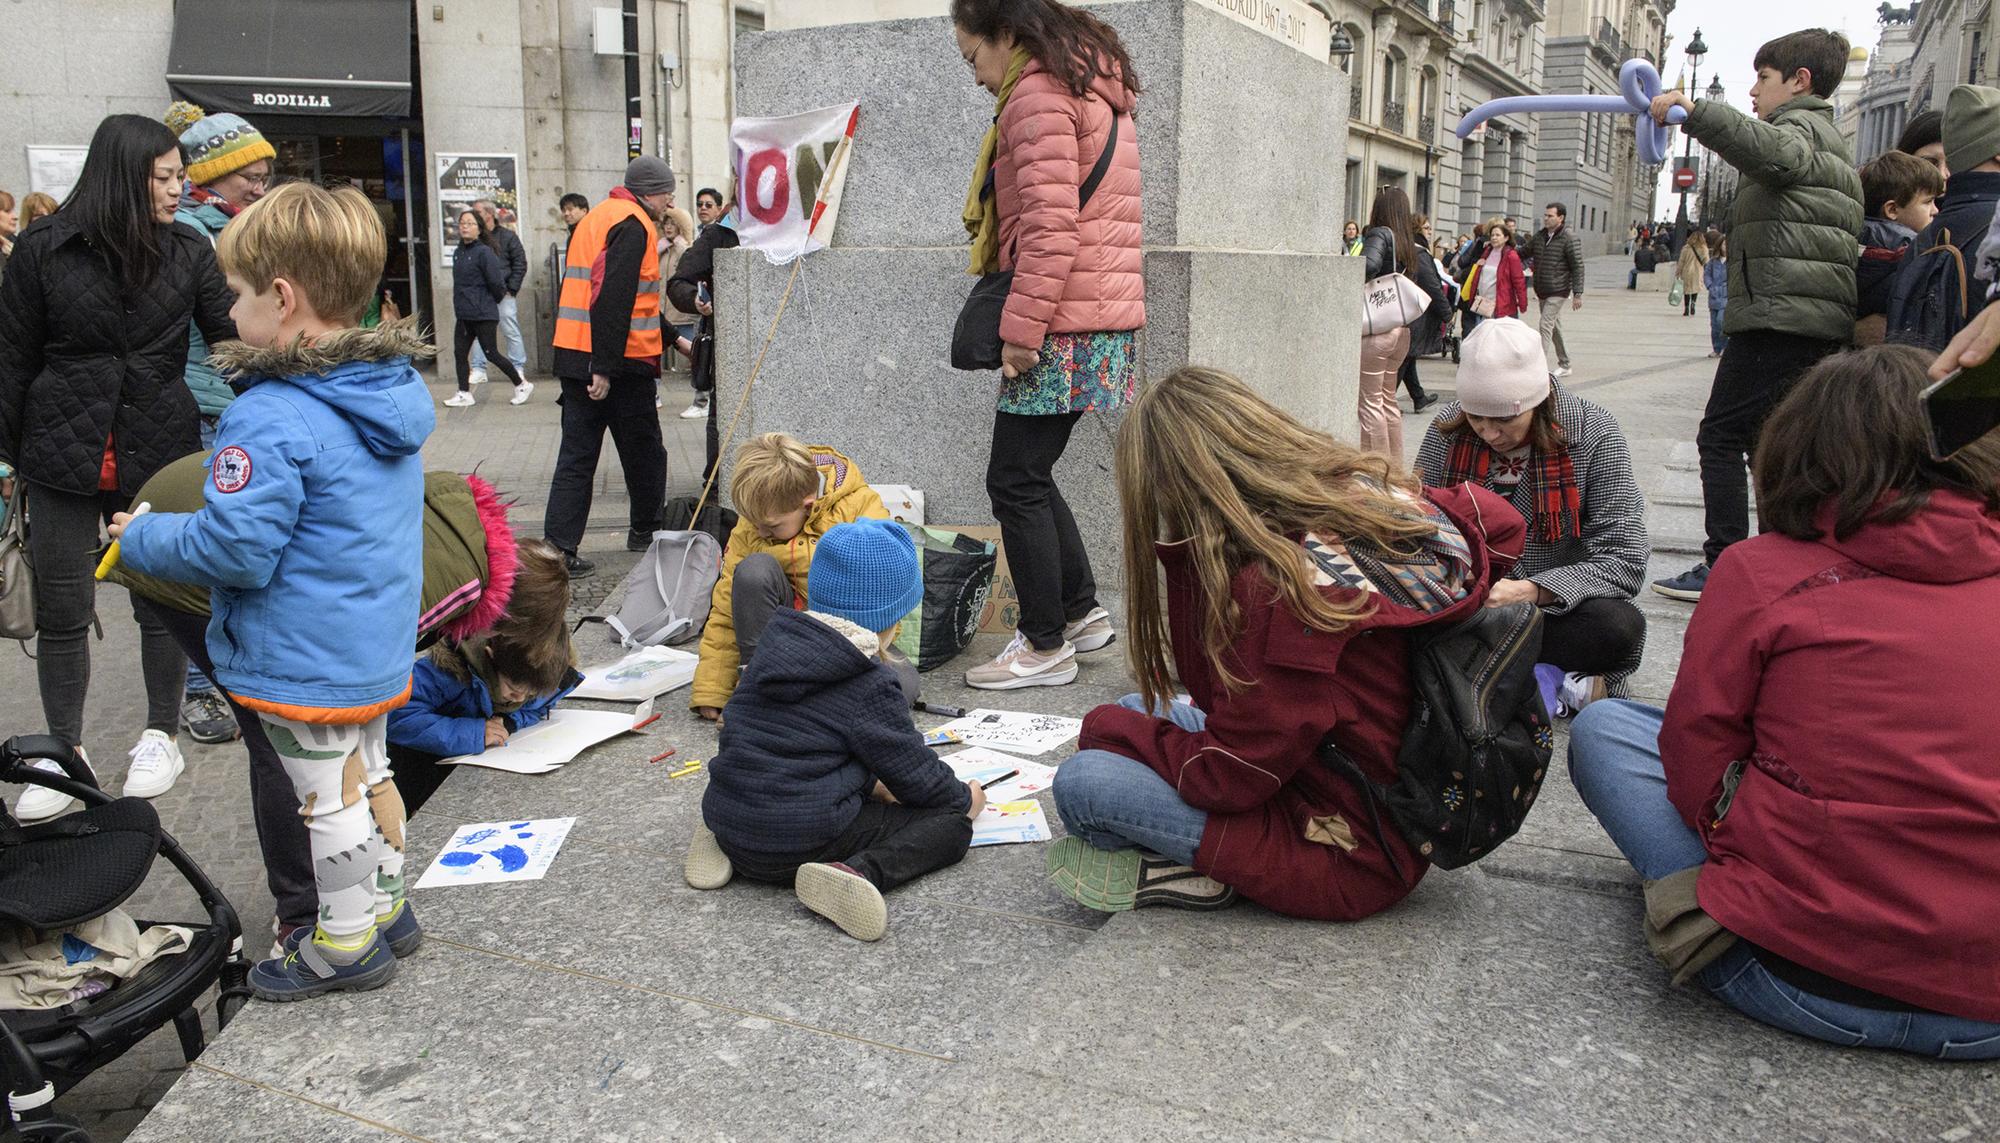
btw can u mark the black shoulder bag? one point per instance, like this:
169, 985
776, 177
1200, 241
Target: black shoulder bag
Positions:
975, 340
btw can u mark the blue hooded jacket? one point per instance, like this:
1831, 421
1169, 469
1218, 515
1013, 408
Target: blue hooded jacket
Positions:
311, 537
449, 705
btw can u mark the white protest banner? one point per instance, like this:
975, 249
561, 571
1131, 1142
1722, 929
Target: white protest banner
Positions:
790, 169
463, 180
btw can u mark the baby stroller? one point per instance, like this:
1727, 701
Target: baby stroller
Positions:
61, 873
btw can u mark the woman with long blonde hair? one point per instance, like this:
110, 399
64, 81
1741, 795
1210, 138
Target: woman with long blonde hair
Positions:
1295, 566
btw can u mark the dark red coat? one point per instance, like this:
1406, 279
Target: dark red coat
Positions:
1856, 678
1283, 829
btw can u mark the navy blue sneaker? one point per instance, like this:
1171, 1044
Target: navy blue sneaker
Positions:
305, 972
1686, 585
402, 932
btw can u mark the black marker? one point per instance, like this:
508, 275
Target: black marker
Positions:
940, 708
1000, 779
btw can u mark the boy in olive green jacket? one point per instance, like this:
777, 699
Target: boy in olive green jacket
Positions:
1793, 238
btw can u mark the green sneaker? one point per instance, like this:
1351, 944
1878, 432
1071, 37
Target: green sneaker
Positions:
1112, 881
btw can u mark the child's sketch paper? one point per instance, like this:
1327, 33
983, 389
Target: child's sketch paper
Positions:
1014, 730
978, 764
644, 673
1004, 823
550, 743
485, 852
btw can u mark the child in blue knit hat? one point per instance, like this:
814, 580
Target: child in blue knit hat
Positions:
821, 781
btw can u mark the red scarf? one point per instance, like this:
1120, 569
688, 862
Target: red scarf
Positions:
202, 196
1551, 480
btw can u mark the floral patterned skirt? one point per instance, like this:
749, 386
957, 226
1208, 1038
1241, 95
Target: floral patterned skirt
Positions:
1078, 373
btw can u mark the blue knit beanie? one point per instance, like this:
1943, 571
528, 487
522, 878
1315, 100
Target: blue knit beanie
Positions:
867, 573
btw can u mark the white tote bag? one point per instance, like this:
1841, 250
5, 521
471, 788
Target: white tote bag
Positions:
1391, 301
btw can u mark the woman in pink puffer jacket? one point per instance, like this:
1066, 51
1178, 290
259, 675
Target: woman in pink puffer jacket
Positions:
1078, 297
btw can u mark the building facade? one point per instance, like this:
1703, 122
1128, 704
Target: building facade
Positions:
380, 96
1951, 44
1884, 103
1591, 162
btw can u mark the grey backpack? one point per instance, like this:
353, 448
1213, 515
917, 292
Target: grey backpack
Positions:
667, 598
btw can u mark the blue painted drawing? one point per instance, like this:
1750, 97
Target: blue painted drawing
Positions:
511, 858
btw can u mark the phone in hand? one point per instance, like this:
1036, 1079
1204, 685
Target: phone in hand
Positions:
1963, 407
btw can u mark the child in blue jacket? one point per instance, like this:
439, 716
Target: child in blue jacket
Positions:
311, 540
471, 695
821, 782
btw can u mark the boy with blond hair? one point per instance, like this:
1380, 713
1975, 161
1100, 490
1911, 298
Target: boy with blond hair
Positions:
787, 496
311, 539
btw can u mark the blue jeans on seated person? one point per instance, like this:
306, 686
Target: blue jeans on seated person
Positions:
1115, 802
1614, 759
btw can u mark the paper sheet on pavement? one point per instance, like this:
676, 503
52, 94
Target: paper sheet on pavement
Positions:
485, 852
978, 764
1004, 823
550, 743
1015, 730
643, 674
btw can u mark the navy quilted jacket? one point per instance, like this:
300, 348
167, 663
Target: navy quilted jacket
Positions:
807, 732
80, 360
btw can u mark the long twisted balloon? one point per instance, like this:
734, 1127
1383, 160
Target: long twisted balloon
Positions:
1638, 84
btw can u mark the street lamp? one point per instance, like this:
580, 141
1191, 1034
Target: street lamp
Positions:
1341, 46
1695, 51
1714, 92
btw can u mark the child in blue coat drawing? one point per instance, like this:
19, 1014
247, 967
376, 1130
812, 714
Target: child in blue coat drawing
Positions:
471, 695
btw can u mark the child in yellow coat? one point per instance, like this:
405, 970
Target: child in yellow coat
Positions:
787, 495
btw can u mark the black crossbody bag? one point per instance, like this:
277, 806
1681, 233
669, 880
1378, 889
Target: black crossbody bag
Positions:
975, 340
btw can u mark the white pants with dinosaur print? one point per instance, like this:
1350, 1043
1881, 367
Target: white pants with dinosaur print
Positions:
354, 818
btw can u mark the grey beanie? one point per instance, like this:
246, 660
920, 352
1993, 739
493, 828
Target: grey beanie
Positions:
649, 174
1971, 126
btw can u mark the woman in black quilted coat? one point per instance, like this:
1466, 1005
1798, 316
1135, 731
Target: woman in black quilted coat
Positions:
94, 314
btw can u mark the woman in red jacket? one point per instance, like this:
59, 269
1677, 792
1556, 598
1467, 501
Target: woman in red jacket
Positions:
1295, 566
1817, 811
1495, 286
1066, 92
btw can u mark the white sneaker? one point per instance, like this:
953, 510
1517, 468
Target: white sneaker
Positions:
1576, 692
156, 765
1563, 371
521, 393
696, 411
39, 803
458, 400
476, 377
1020, 665
1091, 632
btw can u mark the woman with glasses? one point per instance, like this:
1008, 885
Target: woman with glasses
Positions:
228, 168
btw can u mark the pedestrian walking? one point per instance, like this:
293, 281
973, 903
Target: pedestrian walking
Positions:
1555, 255
1388, 247
1694, 256
1350, 239
1065, 94
1715, 278
1427, 332
609, 343
514, 264
478, 284
94, 313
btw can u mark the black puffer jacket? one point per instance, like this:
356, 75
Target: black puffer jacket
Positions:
81, 361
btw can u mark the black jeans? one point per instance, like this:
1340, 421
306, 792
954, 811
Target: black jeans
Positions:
888, 844
274, 802
63, 543
1688, 300
461, 347
1596, 637
634, 422
1045, 552
1758, 368
1408, 376
760, 589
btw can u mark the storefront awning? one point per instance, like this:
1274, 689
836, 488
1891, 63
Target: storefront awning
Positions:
292, 57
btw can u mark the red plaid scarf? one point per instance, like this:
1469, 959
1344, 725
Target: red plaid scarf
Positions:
202, 196
1551, 480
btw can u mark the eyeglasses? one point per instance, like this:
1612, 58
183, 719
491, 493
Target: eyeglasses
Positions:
258, 181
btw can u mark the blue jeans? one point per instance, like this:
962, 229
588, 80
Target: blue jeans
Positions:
510, 338
1114, 802
1716, 340
1614, 759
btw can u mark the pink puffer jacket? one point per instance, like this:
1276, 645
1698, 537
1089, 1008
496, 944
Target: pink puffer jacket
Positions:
1071, 274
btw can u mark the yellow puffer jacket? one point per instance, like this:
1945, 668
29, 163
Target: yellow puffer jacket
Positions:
844, 498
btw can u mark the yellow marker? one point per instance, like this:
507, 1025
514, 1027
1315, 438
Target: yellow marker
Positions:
110, 559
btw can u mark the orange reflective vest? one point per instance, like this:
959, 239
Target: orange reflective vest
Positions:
583, 273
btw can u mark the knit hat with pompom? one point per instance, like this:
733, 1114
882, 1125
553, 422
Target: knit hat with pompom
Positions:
216, 145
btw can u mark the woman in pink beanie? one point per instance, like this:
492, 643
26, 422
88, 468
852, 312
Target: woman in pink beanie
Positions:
1563, 463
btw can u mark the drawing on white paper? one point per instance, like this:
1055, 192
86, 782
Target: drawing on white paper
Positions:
1006, 823
551, 743
978, 764
486, 852
1015, 730
643, 674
